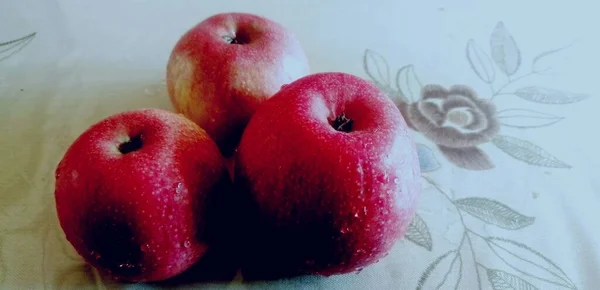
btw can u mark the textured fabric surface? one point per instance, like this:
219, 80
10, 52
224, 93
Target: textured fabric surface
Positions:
501, 96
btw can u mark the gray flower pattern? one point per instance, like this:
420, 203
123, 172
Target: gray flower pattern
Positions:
457, 121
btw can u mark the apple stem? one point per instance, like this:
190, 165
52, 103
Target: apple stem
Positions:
342, 123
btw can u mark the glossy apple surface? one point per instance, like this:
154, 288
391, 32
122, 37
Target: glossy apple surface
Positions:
131, 194
221, 69
331, 175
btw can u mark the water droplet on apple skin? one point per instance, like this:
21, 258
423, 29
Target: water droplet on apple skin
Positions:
95, 255
179, 191
145, 247
126, 265
187, 244
180, 188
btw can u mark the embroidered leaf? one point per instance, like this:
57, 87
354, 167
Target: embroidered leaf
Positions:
549, 96
529, 262
504, 49
525, 119
377, 68
527, 152
471, 158
501, 280
480, 62
418, 233
9, 48
494, 212
535, 65
444, 273
395, 95
408, 83
427, 160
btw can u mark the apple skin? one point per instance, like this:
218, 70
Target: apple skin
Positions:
224, 67
140, 215
324, 201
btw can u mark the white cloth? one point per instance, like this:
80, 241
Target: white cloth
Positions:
509, 203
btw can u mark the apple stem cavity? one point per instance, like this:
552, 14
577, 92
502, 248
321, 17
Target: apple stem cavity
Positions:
236, 39
342, 123
132, 145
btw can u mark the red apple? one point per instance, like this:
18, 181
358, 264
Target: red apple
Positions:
331, 172
131, 194
224, 67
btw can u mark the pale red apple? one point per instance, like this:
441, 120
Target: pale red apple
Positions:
132, 190
331, 175
222, 68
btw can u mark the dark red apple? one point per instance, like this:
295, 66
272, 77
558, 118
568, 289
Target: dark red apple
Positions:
224, 67
332, 177
131, 194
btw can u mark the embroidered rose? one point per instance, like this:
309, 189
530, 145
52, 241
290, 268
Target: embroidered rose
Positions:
456, 120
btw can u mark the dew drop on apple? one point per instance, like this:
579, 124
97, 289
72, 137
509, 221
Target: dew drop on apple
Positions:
145, 247
126, 265
95, 255
187, 244
396, 181
180, 188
